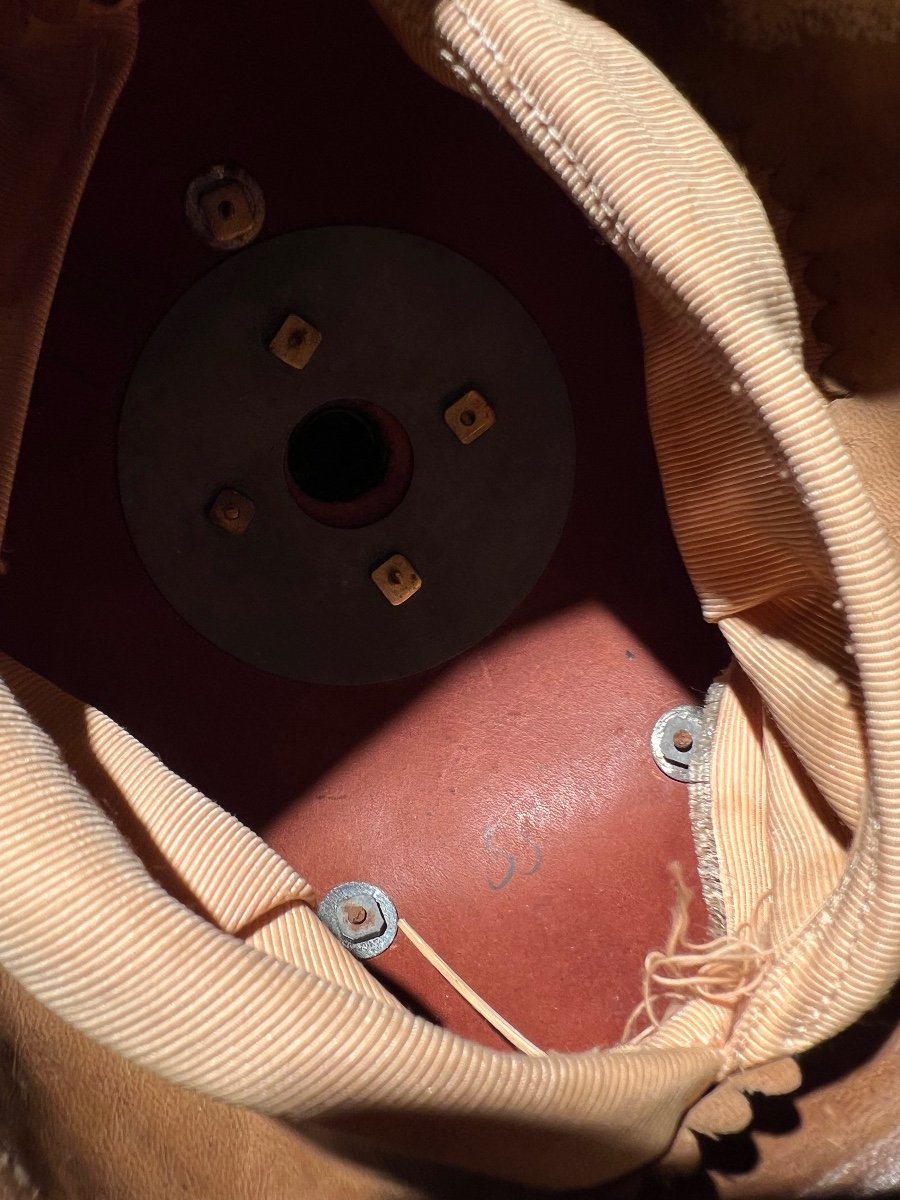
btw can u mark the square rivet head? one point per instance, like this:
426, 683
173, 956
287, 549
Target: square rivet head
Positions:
470, 417
295, 342
227, 212
397, 579
232, 511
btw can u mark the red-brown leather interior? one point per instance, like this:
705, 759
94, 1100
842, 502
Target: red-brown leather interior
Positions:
508, 801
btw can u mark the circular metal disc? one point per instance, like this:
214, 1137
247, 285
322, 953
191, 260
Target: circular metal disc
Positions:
406, 325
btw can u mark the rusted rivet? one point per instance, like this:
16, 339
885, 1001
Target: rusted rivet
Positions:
397, 579
232, 511
356, 914
295, 342
470, 417
674, 740
227, 212
225, 207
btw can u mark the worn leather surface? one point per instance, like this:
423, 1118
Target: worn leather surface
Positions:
843, 1137
80, 1123
510, 844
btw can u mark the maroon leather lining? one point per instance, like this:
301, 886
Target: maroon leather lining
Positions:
507, 802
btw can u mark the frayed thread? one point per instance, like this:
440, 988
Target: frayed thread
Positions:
722, 971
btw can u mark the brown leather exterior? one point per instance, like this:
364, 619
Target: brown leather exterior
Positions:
80, 1123
840, 1137
83, 1123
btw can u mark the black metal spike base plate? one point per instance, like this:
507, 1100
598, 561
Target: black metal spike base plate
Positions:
406, 325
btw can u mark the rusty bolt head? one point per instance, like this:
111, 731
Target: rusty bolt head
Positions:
227, 212
683, 740
360, 918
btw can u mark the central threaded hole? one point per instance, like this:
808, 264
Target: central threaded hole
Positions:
337, 455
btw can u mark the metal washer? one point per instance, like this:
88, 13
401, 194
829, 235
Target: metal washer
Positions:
406, 325
331, 902
671, 761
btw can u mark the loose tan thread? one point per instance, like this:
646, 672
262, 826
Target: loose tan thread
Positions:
722, 971
469, 994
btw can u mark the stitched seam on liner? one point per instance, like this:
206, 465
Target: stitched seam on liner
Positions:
608, 218
700, 805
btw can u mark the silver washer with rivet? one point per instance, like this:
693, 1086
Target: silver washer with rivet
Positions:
361, 916
673, 741
225, 207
